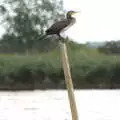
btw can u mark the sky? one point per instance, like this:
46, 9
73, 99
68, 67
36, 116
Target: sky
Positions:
99, 20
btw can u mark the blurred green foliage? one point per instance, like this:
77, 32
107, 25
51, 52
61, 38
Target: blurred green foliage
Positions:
111, 47
90, 69
25, 22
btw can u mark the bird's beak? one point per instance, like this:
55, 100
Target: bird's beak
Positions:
76, 12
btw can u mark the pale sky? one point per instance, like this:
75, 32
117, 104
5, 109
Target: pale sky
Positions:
99, 20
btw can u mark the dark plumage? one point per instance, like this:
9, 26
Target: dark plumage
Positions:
61, 26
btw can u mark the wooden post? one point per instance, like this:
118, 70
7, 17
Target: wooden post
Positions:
68, 80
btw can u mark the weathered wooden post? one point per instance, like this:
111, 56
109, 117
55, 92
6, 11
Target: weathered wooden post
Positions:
68, 80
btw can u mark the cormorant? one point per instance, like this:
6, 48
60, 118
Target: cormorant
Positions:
63, 25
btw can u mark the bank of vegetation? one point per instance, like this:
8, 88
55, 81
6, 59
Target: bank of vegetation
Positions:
90, 69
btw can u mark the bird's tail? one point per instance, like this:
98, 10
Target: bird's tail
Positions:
43, 37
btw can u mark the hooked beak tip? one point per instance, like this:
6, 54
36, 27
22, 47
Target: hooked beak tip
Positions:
77, 12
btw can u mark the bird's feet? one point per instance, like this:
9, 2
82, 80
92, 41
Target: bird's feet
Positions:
63, 40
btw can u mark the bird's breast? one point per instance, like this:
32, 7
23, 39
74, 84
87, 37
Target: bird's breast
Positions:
71, 22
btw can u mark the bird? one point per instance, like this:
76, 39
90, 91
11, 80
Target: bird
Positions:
61, 26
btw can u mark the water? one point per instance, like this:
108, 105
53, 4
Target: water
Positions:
53, 105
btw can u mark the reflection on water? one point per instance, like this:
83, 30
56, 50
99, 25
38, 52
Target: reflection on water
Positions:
53, 105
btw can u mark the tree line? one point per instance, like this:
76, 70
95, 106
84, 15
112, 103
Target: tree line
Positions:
25, 23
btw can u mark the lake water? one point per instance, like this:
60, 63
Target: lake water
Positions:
54, 105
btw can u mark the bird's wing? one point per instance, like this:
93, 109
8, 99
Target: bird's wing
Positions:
58, 26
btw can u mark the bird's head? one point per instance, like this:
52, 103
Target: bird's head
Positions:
71, 13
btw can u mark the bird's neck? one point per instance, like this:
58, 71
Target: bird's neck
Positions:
69, 17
